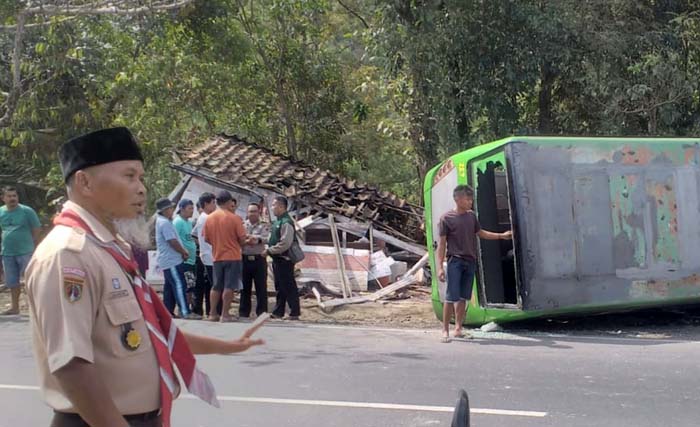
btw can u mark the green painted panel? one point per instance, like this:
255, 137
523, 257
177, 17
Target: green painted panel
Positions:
628, 223
666, 244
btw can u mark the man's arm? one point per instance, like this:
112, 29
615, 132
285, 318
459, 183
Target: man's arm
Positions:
206, 231
489, 235
259, 237
86, 391
35, 235
200, 344
196, 230
175, 244
35, 225
67, 327
241, 233
169, 232
286, 240
442, 247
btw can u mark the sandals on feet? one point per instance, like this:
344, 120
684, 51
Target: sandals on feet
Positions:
462, 334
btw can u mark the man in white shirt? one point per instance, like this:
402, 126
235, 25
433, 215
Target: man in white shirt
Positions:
207, 202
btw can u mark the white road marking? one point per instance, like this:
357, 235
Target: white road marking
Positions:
338, 403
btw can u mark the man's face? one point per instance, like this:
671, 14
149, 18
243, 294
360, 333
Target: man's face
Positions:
278, 208
187, 211
464, 201
209, 207
233, 206
116, 188
253, 213
11, 199
168, 213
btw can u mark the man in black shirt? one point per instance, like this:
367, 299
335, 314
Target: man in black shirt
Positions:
458, 231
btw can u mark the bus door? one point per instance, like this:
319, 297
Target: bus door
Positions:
498, 271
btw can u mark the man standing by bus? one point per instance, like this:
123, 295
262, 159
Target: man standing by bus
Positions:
20, 231
458, 231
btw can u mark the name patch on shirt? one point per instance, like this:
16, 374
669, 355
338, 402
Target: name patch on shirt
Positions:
118, 294
73, 271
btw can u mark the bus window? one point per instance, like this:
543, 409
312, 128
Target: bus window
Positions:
498, 275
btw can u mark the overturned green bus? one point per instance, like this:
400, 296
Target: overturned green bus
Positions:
599, 224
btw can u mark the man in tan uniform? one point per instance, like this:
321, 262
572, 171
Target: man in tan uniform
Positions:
99, 364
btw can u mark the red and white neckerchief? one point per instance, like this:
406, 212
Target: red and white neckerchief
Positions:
169, 343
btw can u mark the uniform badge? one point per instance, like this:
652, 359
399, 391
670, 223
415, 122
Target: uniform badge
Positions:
130, 337
116, 284
73, 288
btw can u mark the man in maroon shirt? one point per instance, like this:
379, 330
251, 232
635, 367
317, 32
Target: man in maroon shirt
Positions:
459, 229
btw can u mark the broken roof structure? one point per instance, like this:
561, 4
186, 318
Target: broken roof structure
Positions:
230, 160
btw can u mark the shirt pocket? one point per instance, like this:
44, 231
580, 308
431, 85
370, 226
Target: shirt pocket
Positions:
124, 314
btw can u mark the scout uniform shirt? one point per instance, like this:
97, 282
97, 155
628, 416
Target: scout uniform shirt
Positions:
82, 306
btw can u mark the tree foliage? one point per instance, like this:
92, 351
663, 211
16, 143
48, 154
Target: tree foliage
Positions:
379, 91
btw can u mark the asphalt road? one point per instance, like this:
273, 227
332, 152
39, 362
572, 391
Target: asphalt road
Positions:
310, 375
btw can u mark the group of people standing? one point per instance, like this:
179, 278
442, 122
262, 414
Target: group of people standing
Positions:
232, 253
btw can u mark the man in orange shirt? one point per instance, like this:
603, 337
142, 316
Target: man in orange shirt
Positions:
225, 232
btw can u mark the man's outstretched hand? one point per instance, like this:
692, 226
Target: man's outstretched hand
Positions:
246, 342
247, 339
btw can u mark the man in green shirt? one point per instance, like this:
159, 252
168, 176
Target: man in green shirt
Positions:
281, 240
183, 227
20, 231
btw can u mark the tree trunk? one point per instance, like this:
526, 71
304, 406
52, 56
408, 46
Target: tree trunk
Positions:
652, 124
423, 131
545, 98
289, 126
424, 137
14, 92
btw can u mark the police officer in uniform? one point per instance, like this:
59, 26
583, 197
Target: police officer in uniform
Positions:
254, 264
99, 332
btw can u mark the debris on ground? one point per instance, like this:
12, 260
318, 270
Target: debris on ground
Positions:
491, 327
410, 278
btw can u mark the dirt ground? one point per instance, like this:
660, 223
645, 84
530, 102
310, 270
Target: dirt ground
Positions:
413, 312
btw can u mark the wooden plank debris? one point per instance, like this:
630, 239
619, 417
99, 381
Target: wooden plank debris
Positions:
408, 279
347, 291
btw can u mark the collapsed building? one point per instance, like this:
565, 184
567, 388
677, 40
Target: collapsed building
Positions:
366, 218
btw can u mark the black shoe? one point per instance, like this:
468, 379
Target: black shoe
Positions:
274, 316
293, 318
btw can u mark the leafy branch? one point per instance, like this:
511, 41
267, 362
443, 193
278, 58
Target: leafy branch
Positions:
69, 10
